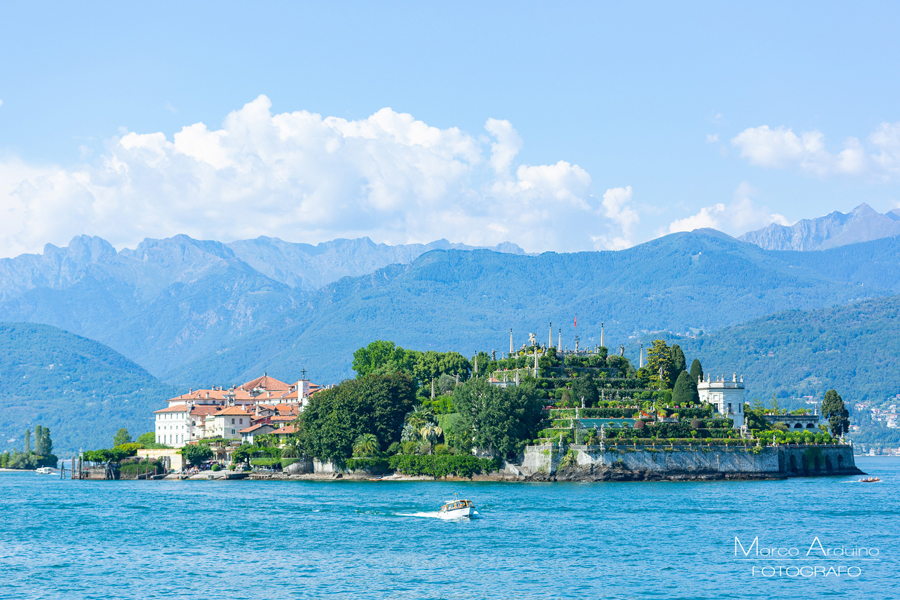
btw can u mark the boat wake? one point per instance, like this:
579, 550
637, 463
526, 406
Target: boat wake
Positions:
435, 515
426, 515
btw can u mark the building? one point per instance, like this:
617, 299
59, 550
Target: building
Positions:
227, 423
726, 396
249, 434
795, 422
173, 425
201, 414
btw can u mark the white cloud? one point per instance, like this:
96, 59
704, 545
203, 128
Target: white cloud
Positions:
712, 138
740, 216
781, 148
303, 177
707, 217
616, 207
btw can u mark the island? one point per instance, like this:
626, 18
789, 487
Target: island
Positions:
539, 412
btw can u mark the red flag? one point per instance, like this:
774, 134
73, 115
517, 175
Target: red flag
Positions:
576, 320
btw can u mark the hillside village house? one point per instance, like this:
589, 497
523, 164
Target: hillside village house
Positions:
232, 413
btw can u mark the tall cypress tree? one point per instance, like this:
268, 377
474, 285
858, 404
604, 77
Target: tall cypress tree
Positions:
696, 370
685, 392
837, 414
46, 442
38, 440
27, 441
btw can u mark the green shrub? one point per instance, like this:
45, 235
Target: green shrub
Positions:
443, 465
216, 467
367, 463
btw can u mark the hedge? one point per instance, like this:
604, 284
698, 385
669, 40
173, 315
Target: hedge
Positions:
443, 465
367, 463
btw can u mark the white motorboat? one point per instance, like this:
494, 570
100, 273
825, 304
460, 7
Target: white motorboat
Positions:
457, 509
44, 471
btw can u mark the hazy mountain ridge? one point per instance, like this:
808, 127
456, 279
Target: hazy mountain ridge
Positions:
170, 301
862, 224
310, 267
467, 301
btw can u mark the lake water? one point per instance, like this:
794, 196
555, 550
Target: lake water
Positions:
242, 539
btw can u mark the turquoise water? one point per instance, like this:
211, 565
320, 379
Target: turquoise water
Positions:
234, 540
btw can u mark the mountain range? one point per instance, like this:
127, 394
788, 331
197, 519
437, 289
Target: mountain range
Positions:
193, 312
862, 224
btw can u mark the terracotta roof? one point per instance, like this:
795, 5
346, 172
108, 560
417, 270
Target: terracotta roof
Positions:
266, 383
253, 428
286, 430
267, 406
201, 410
213, 394
172, 409
283, 418
233, 410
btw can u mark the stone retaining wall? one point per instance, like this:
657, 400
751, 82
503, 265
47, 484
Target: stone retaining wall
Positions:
732, 461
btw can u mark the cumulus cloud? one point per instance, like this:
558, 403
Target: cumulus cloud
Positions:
738, 217
304, 177
617, 208
781, 148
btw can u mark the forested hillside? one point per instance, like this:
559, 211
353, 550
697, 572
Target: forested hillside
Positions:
82, 390
853, 348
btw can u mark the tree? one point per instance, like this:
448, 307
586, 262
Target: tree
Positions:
382, 357
336, 417
837, 414
122, 437
495, 419
38, 439
420, 417
583, 387
366, 445
195, 454
42, 442
659, 361
696, 370
678, 362
242, 454
145, 439
685, 392
27, 441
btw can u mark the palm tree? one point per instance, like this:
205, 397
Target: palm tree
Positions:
366, 445
419, 417
431, 433
265, 440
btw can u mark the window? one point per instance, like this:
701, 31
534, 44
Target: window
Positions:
242, 421
232, 422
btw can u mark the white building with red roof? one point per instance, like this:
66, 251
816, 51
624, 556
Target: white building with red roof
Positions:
173, 425
201, 413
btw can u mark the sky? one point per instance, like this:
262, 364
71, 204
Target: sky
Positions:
559, 127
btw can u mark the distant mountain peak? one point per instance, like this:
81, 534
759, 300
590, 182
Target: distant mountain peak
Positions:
862, 224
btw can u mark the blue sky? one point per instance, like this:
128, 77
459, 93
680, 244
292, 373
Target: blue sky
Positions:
612, 123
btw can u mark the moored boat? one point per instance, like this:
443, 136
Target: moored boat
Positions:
44, 471
869, 480
457, 509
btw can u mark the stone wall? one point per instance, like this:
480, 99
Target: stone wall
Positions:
661, 461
